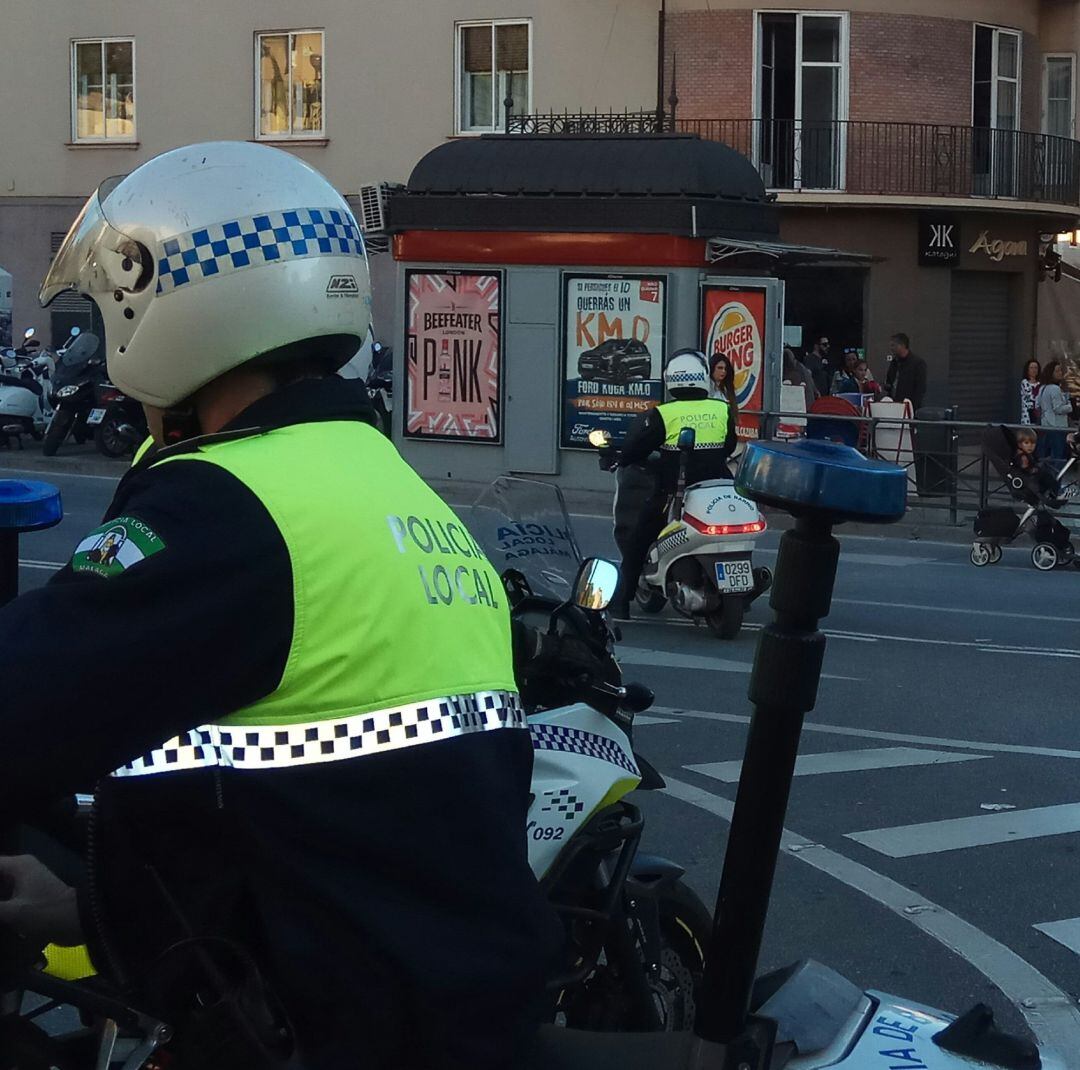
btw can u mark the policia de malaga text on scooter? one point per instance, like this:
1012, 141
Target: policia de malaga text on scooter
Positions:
304, 765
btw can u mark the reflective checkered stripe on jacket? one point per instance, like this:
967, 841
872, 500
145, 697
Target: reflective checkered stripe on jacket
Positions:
282, 746
271, 237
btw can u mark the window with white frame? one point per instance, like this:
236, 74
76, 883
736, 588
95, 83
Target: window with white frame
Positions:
103, 89
1059, 105
289, 89
996, 84
493, 64
801, 99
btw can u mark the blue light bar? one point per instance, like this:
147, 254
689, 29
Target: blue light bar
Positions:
26, 505
824, 477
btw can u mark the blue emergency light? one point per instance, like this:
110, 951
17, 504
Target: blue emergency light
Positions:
811, 476
27, 505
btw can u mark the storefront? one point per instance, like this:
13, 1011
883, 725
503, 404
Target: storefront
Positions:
962, 284
542, 282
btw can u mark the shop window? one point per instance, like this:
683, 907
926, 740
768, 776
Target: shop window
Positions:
493, 64
289, 92
103, 89
1059, 102
802, 100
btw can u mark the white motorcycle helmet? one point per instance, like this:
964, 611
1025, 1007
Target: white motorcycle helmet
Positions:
686, 374
213, 255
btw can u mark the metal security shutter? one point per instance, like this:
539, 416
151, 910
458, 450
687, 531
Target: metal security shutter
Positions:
70, 309
981, 372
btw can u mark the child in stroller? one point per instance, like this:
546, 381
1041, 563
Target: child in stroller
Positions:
1038, 488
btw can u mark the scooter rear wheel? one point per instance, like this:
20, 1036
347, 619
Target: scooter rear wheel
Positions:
649, 599
726, 622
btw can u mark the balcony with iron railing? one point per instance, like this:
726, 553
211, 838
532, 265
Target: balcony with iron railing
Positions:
880, 159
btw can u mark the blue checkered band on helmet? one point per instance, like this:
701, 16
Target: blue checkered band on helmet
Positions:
270, 238
576, 741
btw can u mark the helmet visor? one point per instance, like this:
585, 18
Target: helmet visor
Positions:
95, 258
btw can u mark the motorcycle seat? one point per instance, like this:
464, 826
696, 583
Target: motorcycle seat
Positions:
27, 384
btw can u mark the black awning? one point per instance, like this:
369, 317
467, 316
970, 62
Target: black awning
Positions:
659, 183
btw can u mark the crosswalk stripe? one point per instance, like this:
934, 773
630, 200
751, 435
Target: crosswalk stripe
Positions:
1066, 933
933, 837
845, 761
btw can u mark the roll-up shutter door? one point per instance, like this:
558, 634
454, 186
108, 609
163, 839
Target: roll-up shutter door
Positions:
981, 372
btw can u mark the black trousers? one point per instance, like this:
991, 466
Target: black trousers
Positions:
636, 541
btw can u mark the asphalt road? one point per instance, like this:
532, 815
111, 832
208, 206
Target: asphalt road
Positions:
934, 826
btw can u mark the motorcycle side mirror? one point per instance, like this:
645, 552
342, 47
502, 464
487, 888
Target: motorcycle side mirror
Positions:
599, 439
75, 332
595, 585
29, 333
687, 438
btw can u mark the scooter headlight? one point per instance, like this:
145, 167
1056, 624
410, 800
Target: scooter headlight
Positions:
67, 391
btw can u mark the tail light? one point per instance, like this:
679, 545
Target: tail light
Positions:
111, 395
755, 527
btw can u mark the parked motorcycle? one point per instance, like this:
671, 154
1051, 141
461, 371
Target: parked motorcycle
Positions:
75, 381
702, 561
119, 421
25, 385
380, 384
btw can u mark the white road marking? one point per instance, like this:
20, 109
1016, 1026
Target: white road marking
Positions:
50, 566
846, 761
1066, 933
956, 609
893, 737
644, 719
1051, 1014
957, 833
666, 659
880, 637
858, 558
37, 473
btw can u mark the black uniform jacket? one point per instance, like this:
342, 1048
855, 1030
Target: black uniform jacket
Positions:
387, 899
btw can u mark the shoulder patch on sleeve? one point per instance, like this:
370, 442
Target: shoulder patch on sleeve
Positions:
115, 547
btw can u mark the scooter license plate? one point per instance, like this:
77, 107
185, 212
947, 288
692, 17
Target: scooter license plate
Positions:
734, 575
95, 417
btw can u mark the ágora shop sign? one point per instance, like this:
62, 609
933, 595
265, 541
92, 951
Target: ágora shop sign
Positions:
997, 249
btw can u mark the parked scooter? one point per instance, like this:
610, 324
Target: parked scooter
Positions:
702, 561
75, 382
635, 931
119, 421
25, 382
380, 384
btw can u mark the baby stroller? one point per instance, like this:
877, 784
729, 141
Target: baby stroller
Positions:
1039, 492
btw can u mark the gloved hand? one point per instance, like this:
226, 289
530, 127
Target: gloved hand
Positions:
36, 903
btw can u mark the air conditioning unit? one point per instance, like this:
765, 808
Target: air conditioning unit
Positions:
373, 217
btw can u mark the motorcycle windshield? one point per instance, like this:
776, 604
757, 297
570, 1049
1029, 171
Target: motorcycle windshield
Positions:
522, 524
80, 351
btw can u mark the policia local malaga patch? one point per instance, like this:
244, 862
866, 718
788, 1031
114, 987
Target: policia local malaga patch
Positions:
116, 546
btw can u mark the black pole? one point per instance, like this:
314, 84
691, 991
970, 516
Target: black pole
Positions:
9, 839
673, 98
9, 565
783, 689
660, 58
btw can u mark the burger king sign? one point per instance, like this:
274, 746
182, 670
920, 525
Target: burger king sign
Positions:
733, 327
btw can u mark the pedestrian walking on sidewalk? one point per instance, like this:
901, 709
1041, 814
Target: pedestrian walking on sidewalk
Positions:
1055, 408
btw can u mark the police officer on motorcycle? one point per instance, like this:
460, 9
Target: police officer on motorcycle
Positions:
291, 675
686, 378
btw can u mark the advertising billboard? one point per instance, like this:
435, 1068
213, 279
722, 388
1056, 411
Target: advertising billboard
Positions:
733, 323
613, 352
453, 355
